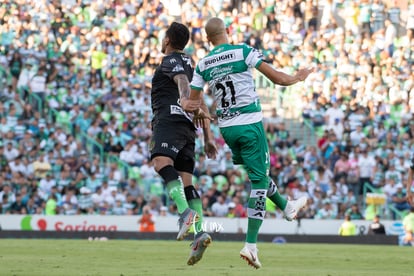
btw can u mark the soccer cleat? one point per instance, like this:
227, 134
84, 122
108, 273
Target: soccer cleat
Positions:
293, 207
201, 241
186, 220
250, 256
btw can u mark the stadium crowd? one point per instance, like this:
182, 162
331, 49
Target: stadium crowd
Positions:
75, 116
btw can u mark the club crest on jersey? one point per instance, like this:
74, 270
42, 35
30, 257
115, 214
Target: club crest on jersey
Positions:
173, 60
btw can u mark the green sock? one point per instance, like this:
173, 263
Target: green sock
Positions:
197, 206
176, 191
253, 227
275, 197
256, 210
279, 200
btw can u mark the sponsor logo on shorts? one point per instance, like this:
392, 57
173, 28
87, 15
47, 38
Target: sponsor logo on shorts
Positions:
174, 149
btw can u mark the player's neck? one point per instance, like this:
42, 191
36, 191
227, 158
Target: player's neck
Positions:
219, 41
169, 51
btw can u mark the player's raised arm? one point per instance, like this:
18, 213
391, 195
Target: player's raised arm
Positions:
281, 78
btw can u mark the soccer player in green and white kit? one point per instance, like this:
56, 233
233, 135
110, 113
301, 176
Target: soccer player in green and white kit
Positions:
227, 70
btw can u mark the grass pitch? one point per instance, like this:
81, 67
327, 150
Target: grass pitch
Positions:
132, 257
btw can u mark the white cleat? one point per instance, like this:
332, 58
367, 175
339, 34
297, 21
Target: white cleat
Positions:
293, 207
250, 256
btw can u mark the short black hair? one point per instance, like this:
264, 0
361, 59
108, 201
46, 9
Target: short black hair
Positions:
178, 35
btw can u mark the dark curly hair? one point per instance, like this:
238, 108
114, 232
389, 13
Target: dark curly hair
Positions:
178, 35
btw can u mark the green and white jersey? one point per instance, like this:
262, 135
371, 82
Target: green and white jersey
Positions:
228, 71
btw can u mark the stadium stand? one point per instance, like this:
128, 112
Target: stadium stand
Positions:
75, 81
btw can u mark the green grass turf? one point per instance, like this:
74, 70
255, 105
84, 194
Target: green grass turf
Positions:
132, 257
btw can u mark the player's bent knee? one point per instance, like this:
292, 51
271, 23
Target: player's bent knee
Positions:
161, 162
168, 173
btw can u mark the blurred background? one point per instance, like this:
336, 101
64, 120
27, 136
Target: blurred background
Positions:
75, 82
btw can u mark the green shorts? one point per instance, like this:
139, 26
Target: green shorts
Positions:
248, 144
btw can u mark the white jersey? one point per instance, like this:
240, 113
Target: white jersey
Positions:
227, 70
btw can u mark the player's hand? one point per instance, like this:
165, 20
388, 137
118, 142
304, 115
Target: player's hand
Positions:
201, 118
210, 149
302, 74
190, 105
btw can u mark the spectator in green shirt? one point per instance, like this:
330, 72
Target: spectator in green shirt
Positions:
408, 223
51, 205
348, 228
98, 58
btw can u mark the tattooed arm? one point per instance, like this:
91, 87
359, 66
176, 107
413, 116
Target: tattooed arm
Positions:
183, 85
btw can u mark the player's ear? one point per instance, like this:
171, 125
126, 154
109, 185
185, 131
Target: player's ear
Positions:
228, 31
